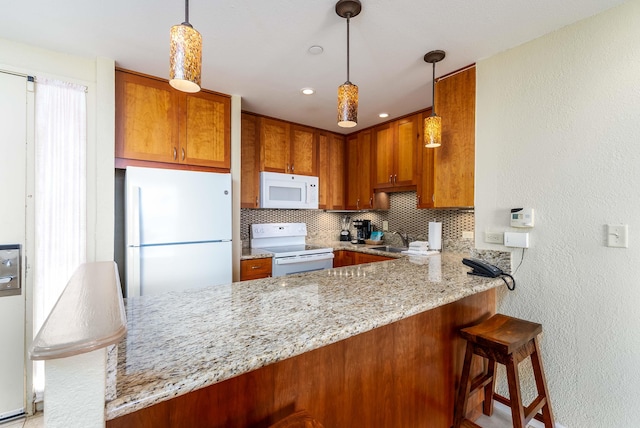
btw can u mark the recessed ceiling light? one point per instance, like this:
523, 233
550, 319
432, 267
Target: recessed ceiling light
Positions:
383, 115
308, 91
316, 50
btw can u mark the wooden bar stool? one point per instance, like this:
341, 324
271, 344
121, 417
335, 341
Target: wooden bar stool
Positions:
505, 340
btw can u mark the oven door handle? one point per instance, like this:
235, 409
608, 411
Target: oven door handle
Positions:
303, 259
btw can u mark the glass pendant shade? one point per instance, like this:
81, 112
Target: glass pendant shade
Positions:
432, 131
347, 105
185, 58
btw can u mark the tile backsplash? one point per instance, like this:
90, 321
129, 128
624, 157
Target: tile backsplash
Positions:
403, 216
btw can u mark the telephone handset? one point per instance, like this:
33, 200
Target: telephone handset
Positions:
481, 268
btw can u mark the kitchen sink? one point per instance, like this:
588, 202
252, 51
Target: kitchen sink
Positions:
389, 249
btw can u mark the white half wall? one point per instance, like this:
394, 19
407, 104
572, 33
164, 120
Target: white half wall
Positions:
558, 129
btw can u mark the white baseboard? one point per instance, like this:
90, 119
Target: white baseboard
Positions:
499, 407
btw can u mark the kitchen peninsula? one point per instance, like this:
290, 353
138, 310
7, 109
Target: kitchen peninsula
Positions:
367, 345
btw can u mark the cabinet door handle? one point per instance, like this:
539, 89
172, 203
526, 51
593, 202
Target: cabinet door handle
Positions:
256, 201
433, 198
371, 202
391, 178
395, 178
292, 168
358, 203
255, 267
287, 167
175, 153
182, 154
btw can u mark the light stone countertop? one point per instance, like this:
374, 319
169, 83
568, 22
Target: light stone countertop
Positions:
258, 253
255, 253
182, 341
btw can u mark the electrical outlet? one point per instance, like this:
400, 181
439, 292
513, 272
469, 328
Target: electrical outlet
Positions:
494, 237
467, 234
385, 225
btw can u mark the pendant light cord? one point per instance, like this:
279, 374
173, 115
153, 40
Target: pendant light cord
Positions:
186, 13
348, 19
433, 91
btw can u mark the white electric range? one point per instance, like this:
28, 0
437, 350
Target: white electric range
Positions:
291, 254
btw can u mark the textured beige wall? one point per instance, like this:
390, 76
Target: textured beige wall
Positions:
558, 129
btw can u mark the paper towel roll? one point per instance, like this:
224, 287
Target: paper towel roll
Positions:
435, 235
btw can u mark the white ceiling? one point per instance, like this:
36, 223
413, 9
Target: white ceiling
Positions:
258, 49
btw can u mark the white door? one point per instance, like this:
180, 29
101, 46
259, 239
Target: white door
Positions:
13, 126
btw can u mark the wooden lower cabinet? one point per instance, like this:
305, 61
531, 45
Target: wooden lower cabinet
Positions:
400, 375
343, 258
370, 258
255, 269
349, 258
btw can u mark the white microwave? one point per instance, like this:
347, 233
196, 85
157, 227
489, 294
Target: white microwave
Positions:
290, 191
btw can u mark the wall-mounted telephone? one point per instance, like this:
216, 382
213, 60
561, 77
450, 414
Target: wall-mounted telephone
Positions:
481, 268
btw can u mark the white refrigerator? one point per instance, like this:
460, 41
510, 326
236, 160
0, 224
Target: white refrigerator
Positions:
178, 230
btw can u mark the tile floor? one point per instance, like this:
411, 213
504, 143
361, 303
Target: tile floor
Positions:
36, 421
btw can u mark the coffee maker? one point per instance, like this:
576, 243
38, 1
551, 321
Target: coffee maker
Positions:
345, 233
363, 230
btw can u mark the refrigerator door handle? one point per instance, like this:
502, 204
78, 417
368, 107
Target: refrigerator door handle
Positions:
133, 222
133, 272
133, 242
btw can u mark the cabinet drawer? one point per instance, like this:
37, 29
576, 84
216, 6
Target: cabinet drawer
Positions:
255, 268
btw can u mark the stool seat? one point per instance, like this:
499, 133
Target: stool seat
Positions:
502, 333
505, 340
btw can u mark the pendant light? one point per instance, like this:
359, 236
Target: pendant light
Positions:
433, 123
348, 92
185, 60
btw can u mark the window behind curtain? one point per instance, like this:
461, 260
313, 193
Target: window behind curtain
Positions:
60, 195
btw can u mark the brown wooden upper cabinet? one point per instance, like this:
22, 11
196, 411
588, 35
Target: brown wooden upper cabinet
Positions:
157, 123
447, 172
249, 174
286, 147
360, 195
395, 153
331, 165
277, 146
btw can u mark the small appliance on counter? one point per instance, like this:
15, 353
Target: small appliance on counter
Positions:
345, 233
363, 231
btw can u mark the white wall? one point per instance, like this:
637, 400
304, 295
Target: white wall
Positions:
558, 129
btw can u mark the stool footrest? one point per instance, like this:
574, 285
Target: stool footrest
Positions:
480, 382
532, 409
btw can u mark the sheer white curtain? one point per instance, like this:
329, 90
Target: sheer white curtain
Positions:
60, 195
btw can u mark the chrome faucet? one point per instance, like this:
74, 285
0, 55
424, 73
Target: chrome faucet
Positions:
404, 237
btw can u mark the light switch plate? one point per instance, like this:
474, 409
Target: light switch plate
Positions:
618, 235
